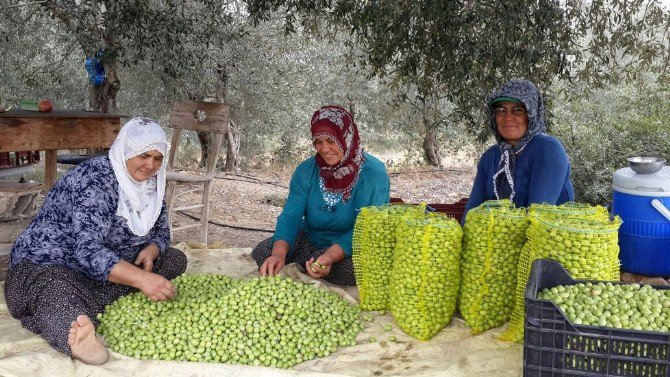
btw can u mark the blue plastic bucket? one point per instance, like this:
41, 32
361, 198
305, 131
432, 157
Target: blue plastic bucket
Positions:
644, 235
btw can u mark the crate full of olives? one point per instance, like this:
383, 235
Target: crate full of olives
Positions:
594, 328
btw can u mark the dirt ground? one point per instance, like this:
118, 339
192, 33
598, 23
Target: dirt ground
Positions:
252, 200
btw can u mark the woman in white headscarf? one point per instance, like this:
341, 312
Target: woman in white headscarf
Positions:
102, 233
526, 165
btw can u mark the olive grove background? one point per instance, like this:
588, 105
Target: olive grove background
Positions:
415, 72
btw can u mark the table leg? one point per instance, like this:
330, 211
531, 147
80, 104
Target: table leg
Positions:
50, 168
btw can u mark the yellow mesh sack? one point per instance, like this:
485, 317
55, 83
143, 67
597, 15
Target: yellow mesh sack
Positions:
570, 209
373, 243
493, 236
585, 243
425, 276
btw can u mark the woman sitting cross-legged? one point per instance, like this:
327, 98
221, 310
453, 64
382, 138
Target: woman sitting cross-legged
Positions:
327, 191
102, 233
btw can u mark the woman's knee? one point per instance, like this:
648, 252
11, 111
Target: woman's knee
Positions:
28, 285
342, 273
262, 251
172, 263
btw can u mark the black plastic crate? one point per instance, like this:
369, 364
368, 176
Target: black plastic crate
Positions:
555, 347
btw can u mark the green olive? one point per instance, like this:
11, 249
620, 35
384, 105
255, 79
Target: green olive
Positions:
269, 321
493, 236
425, 276
623, 306
579, 236
374, 242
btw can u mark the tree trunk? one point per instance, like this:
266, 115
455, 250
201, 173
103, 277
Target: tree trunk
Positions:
232, 145
205, 139
430, 148
429, 140
231, 142
103, 97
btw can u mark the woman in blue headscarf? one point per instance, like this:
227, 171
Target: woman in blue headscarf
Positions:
527, 165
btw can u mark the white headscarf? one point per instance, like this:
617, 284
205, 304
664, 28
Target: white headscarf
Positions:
139, 202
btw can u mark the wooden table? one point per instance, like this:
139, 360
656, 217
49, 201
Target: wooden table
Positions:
24, 130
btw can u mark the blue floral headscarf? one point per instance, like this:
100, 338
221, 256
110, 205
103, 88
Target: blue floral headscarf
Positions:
526, 92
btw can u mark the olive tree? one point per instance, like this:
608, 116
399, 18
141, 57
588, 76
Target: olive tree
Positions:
274, 81
171, 36
462, 50
38, 59
176, 46
278, 81
621, 121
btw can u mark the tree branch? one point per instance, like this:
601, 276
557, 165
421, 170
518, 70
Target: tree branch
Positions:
25, 4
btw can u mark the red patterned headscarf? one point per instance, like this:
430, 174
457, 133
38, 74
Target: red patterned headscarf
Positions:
336, 123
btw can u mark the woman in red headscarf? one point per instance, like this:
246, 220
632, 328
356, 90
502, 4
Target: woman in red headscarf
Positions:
326, 192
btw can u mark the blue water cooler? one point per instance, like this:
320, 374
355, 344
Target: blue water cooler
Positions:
643, 203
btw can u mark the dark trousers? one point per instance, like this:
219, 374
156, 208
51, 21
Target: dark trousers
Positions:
46, 299
341, 273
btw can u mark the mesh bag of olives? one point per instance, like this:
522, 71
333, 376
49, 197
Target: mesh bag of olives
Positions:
493, 236
586, 245
570, 209
425, 276
374, 240
270, 321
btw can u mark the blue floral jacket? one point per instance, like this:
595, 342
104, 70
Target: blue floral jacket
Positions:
77, 226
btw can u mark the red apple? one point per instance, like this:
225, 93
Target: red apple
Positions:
45, 105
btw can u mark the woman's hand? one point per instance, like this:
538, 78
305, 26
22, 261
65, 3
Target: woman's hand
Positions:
273, 265
277, 259
157, 288
145, 259
154, 286
321, 266
318, 268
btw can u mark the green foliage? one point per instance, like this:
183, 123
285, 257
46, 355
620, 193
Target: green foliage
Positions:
405, 68
162, 44
291, 149
279, 81
173, 35
38, 60
462, 50
601, 132
275, 82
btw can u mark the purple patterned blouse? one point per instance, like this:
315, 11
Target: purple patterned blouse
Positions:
77, 226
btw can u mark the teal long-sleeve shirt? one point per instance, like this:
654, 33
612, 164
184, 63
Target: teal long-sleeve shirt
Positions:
328, 225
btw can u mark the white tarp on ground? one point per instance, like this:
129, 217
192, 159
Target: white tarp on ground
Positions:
452, 352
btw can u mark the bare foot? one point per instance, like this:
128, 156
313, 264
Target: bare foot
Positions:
84, 345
